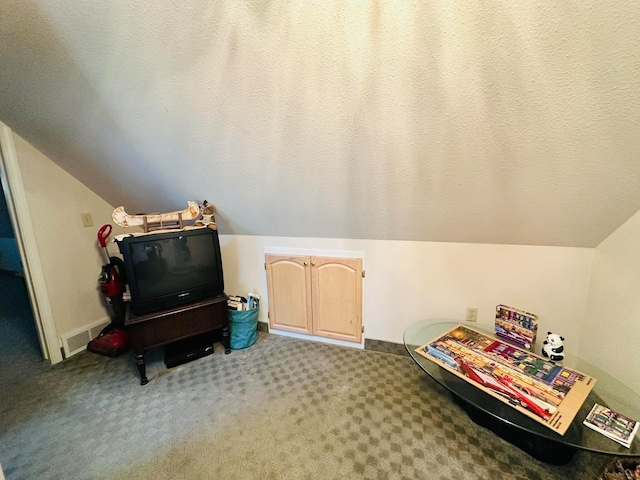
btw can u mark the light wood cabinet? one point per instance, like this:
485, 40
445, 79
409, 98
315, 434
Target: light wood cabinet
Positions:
316, 295
289, 290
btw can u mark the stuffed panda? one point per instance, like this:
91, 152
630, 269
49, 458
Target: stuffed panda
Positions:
553, 347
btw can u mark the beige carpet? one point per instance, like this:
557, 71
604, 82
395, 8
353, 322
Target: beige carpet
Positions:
281, 409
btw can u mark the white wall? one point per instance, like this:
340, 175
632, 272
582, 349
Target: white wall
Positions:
405, 281
410, 281
612, 317
69, 253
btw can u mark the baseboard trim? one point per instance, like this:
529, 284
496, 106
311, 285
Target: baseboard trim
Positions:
386, 347
374, 345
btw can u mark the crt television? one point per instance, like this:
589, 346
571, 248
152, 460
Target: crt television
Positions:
169, 269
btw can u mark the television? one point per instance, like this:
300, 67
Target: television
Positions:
172, 268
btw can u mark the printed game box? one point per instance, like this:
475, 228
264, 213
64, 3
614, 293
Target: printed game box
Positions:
516, 326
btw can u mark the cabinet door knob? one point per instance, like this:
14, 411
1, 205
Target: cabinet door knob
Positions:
304, 263
313, 264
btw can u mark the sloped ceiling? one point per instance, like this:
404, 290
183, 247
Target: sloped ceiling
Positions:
486, 122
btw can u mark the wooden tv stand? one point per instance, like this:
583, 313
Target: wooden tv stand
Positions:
165, 326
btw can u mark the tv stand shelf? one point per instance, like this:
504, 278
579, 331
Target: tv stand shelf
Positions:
166, 326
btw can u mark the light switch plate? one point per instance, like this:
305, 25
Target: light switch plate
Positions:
87, 221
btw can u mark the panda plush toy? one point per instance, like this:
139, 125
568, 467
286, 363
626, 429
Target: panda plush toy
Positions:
553, 347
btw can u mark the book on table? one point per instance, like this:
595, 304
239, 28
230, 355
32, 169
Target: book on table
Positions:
612, 424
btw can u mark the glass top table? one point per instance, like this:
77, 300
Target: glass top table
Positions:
502, 418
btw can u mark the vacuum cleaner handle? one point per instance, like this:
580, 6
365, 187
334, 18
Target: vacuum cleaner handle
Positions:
103, 234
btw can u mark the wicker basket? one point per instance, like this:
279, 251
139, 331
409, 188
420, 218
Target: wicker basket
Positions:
621, 469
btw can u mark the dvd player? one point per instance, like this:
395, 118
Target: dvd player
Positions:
187, 350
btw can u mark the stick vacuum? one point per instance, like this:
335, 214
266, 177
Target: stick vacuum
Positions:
113, 340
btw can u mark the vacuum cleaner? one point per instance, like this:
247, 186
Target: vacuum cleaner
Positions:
114, 339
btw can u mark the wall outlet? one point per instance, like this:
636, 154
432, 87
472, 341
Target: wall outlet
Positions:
87, 221
472, 314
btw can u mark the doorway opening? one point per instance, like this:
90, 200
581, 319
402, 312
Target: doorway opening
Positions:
15, 201
18, 334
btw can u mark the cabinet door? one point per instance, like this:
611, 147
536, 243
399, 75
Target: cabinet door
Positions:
337, 297
289, 290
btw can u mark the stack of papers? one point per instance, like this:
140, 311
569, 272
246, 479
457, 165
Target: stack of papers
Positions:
240, 303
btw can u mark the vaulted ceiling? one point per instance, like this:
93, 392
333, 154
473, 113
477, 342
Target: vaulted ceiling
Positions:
486, 122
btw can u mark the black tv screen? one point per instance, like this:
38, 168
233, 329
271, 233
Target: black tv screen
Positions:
170, 269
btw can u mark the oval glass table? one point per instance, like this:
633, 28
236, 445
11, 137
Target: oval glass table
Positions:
526, 433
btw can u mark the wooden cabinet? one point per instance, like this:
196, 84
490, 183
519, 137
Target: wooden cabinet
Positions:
316, 295
160, 328
289, 289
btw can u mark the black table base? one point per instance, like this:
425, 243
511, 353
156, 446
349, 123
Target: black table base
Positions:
543, 449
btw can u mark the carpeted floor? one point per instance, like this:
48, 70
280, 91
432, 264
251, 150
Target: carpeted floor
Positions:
281, 409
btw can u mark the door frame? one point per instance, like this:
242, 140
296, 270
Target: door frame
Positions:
18, 207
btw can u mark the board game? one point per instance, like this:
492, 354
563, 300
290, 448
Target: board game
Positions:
516, 326
545, 391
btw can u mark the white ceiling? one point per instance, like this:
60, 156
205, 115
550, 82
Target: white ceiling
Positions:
492, 122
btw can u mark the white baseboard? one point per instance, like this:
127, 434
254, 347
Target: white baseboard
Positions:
314, 338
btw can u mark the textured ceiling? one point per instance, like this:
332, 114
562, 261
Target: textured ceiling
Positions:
488, 122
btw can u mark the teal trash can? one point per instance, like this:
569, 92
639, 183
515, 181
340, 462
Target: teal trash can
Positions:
243, 328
